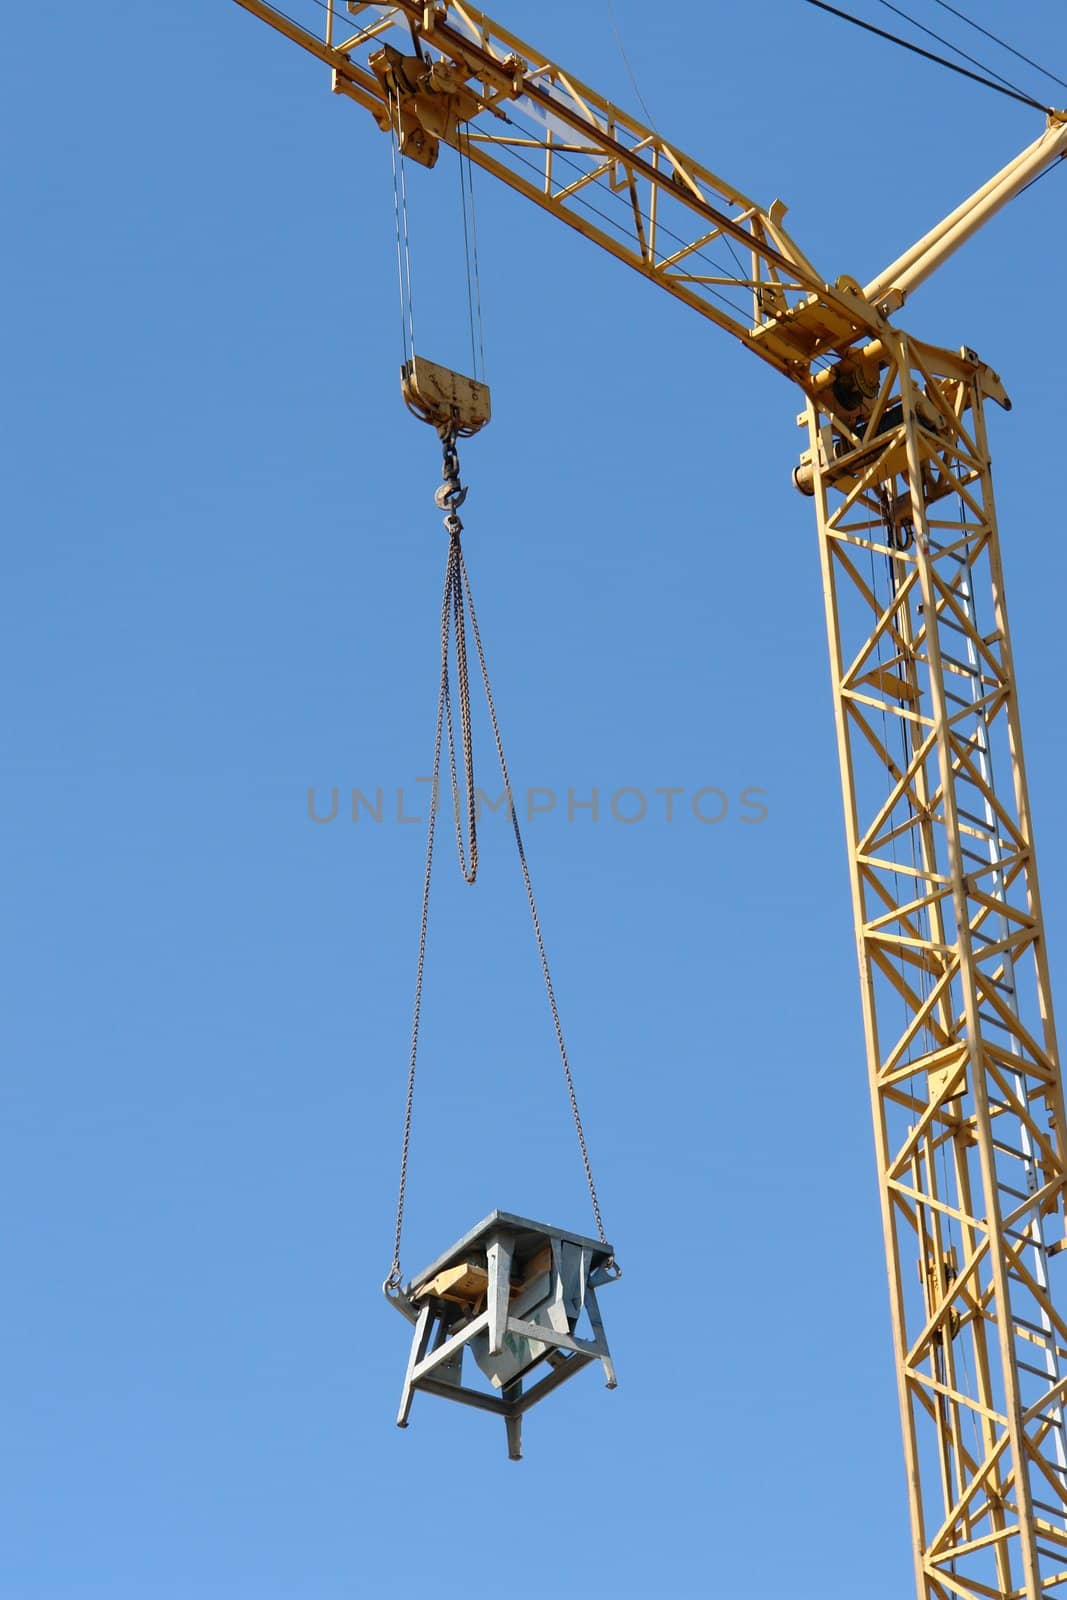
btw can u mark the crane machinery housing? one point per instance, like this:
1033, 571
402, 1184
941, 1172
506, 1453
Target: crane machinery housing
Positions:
966, 1092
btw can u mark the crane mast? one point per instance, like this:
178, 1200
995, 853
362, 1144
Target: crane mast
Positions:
965, 1084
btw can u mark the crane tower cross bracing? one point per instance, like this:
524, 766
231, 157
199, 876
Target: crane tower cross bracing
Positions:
964, 1077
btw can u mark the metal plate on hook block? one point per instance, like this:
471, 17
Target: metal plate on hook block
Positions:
445, 399
518, 1295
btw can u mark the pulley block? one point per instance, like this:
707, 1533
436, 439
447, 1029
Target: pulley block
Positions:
447, 400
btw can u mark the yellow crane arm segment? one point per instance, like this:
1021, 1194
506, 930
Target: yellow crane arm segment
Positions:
911, 269
448, 74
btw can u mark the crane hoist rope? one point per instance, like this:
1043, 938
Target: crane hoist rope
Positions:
457, 610
403, 240
402, 226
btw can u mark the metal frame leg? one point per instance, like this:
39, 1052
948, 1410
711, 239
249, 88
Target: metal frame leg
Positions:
597, 1325
513, 1422
423, 1329
498, 1260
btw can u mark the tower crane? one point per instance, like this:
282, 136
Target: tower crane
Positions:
965, 1085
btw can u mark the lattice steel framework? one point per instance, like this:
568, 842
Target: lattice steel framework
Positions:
965, 1083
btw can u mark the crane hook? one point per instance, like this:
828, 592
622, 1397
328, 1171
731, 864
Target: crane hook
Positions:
451, 493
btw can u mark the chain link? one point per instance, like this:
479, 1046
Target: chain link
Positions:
449, 497
394, 1279
457, 604
557, 1024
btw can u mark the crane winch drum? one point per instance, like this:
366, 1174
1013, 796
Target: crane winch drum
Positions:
513, 1293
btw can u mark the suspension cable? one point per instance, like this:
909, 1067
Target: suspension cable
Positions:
461, 163
403, 238
457, 607
449, 497
393, 1280
465, 141
524, 867
1030, 62
953, 66
955, 48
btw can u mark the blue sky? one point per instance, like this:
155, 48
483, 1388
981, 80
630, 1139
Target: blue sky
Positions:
222, 575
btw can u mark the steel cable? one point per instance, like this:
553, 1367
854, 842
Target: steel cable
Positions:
953, 66
955, 48
1004, 45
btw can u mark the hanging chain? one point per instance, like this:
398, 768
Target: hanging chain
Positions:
571, 1093
448, 498
394, 1278
457, 604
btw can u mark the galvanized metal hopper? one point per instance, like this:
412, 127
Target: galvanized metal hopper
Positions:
512, 1293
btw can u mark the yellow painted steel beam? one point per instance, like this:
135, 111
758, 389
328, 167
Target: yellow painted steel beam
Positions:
559, 143
965, 1083
892, 286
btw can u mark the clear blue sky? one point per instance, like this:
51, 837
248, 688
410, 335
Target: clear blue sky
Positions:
222, 570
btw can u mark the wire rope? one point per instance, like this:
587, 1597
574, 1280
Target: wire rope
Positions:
1002, 42
407, 317
474, 253
906, 44
467, 256
889, 6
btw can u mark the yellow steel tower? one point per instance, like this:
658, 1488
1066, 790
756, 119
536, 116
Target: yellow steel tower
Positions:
961, 1052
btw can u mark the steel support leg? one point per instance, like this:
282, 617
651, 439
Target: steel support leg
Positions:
498, 1259
597, 1325
423, 1329
513, 1424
